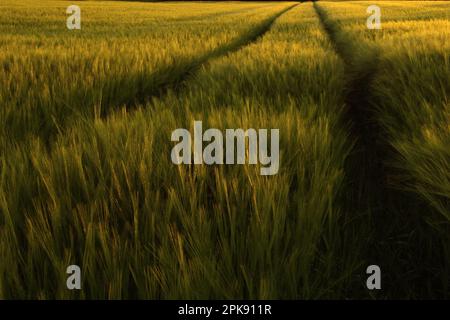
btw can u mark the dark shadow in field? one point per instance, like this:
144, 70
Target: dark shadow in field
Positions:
405, 247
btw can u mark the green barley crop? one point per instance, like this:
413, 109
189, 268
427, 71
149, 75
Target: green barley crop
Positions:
86, 177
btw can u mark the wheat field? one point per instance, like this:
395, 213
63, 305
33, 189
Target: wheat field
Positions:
86, 172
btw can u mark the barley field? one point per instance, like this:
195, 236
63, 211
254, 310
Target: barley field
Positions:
364, 150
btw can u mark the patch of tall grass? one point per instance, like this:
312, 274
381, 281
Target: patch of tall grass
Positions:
106, 196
